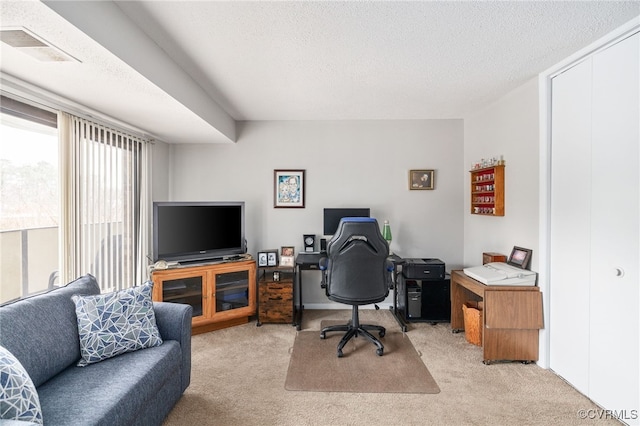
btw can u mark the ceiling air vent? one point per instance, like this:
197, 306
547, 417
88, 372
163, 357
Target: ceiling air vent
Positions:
29, 43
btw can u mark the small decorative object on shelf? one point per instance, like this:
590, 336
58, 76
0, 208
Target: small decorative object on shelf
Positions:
386, 234
487, 162
487, 189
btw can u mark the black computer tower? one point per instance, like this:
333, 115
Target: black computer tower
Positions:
414, 301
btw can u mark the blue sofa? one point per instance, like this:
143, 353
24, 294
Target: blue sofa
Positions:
135, 388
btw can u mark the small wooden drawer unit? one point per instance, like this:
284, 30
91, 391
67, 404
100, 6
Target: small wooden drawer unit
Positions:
275, 295
490, 257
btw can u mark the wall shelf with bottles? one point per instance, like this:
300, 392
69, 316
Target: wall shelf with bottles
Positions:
487, 190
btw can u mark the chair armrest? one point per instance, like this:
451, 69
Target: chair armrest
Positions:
323, 264
390, 269
389, 265
174, 323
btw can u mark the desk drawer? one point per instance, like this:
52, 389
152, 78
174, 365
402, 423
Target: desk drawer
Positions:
276, 290
276, 312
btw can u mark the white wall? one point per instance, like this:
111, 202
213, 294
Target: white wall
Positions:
161, 171
508, 127
348, 164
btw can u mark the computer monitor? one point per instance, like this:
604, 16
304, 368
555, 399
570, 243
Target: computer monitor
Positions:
332, 217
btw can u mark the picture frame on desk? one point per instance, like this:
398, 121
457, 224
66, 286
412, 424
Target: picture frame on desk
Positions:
272, 258
267, 258
289, 188
287, 256
421, 179
520, 257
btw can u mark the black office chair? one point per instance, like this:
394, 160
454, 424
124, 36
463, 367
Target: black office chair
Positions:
356, 272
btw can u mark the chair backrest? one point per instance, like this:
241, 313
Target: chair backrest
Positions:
357, 271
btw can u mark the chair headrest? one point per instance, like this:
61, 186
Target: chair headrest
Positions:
358, 219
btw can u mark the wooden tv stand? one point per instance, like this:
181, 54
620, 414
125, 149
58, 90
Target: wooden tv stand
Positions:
222, 294
511, 318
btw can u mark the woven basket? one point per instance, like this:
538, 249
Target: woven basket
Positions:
472, 323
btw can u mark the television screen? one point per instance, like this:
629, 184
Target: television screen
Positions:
192, 231
332, 217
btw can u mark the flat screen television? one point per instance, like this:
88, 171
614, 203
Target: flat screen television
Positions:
198, 231
331, 217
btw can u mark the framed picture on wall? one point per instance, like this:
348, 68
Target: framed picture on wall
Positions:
421, 179
288, 188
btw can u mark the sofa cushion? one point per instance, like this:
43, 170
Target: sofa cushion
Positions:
115, 391
41, 331
18, 397
115, 323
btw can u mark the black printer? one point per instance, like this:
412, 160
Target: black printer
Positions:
423, 269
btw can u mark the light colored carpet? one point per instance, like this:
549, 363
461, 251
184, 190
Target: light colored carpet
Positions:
238, 377
314, 365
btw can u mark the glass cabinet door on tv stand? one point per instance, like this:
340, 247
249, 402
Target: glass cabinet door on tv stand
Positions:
181, 286
222, 294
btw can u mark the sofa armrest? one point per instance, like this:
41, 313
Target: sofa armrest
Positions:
174, 323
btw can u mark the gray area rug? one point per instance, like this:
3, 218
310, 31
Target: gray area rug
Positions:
314, 365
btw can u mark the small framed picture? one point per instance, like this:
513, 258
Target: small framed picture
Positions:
520, 257
421, 179
262, 258
272, 258
288, 188
287, 256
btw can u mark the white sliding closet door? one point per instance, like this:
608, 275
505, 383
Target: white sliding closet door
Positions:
595, 228
615, 216
570, 222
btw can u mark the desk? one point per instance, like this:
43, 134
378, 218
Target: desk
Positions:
304, 262
511, 317
311, 261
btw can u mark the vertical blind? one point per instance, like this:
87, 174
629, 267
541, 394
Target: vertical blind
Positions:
106, 203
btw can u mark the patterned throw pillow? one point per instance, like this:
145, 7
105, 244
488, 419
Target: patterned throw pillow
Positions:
115, 323
18, 397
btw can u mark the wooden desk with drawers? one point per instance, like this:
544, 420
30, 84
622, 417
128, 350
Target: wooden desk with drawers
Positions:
511, 318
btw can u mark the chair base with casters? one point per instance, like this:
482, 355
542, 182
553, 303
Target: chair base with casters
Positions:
355, 329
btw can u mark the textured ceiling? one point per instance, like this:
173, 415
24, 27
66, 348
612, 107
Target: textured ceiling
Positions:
300, 60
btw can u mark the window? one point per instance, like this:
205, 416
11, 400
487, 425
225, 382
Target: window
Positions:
29, 199
106, 204
74, 199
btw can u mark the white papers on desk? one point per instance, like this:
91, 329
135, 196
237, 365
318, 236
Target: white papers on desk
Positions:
499, 273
